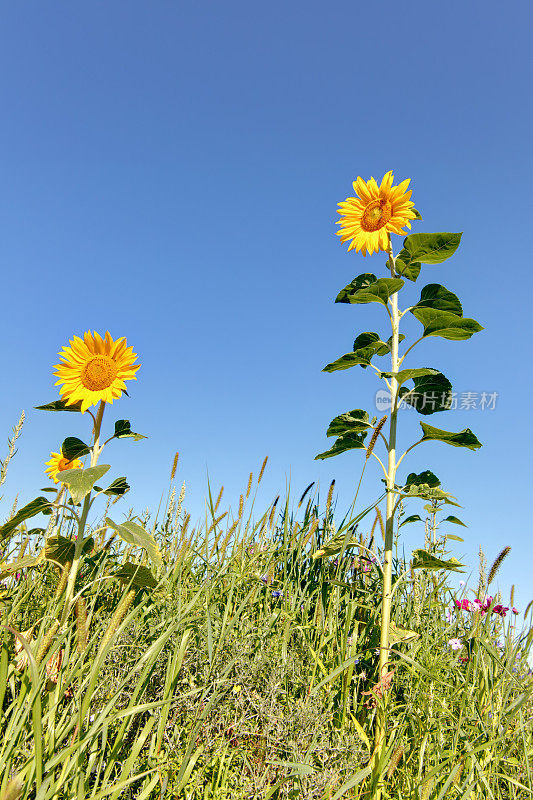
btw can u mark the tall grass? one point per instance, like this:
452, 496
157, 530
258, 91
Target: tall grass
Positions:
251, 669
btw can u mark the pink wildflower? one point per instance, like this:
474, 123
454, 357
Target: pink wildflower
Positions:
501, 610
455, 644
464, 604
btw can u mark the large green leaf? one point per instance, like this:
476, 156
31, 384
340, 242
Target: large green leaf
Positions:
429, 248
119, 487
60, 550
59, 405
350, 441
347, 361
139, 576
412, 518
456, 521
403, 635
367, 289
123, 431
36, 506
81, 481
73, 448
431, 393
136, 535
463, 438
407, 269
425, 492
354, 421
445, 324
21, 563
426, 477
406, 374
424, 560
436, 296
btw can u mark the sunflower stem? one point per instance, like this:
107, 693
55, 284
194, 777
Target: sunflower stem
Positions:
78, 547
381, 716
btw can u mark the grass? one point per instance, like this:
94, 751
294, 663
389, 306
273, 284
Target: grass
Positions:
249, 670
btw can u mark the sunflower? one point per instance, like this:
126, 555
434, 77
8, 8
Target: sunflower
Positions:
376, 211
95, 369
58, 463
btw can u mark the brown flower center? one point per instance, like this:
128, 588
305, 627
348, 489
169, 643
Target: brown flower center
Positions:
99, 373
376, 215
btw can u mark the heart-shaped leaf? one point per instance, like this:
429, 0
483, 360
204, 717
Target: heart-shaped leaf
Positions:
347, 361
431, 393
136, 535
36, 506
429, 248
426, 477
407, 374
123, 431
413, 518
446, 324
424, 560
74, 448
367, 288
81, 481
59, 405
436, 296
354, 421
455, 520
350, 441
463, 438
119, 487
60, 550
21, 563
140, 577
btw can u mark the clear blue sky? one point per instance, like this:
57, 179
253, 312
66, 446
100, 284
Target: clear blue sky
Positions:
170, 172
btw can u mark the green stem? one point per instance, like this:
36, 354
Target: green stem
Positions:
380, 732
78, 547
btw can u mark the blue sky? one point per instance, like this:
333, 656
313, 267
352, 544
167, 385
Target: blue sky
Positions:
170, 173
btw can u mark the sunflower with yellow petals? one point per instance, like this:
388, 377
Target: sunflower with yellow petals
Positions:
58, 463
95, 369
374, 213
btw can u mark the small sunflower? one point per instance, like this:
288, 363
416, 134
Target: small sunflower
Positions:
95, 369
376, 211
58, 463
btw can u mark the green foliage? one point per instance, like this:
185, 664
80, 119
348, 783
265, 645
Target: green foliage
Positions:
438, 297
432, 392
123, 431
464, 438
445, 324
425, 248
427, 478
366, 288
81, 481
59, 405
136, 535
74, 448
135, 574
36, 506
424, 560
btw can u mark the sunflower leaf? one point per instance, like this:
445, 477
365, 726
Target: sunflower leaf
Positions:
367, 289
403, 635
119, 487
429, 248
406, 374
137, 536
21, 563
349, 441
139, 576
426, 477
424, 560
347, 361
354, 421
464, 438
81, 481
36, 506
434, 295
456, 521
59, 405
60, 550
413, 518
445, 324
123, 431
432, 392
73, 448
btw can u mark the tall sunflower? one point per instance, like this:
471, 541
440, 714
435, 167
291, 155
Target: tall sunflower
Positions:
376, 211
95, 369
58, 463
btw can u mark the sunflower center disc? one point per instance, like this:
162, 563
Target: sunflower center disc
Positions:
376, 215
99, 373
64, 464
